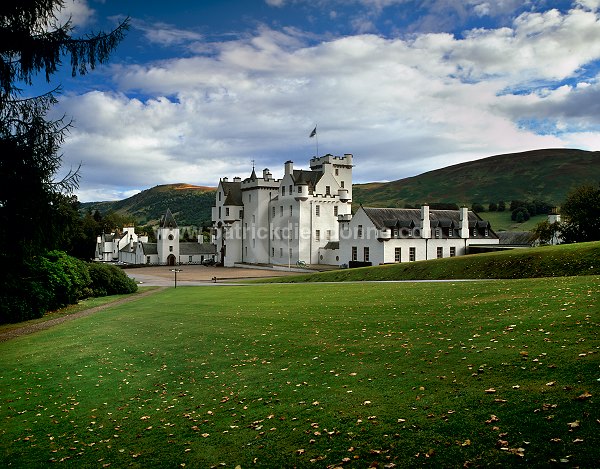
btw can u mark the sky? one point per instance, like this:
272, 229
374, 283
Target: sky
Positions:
200, 90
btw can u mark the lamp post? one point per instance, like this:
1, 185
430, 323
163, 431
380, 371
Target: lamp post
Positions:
176, 270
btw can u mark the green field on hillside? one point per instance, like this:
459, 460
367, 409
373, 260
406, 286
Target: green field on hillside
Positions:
314, 375
545, 261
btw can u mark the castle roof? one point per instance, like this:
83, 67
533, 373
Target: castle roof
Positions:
149, 248
233, 193
301, 176
168, 220
190, 249
410, 217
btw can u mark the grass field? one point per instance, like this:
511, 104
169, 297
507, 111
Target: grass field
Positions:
317, 375
547, 261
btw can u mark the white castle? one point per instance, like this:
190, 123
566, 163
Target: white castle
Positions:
305, 218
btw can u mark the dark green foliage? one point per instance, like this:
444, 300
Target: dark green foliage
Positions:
35, 214
581, 214
545, 232
110, 280
477, 208
493, 207
47, 283
501, 206
520, 215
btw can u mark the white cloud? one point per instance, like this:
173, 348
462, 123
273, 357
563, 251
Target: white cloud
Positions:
166, 34
78, 11
401, 106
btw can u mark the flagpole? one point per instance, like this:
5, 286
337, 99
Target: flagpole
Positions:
316, 135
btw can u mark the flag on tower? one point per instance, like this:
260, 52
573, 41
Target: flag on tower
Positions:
313, 133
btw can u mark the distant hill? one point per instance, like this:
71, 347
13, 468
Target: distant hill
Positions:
538, 174
546, 175
191, 205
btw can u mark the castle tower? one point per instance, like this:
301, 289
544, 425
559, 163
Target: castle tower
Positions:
167, 240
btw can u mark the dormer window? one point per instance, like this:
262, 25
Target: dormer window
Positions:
438, 232
474, 232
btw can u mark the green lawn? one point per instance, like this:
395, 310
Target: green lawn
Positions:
546, 261
501, 221
314, 375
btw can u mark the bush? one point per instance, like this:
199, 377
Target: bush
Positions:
46, 283
108, 279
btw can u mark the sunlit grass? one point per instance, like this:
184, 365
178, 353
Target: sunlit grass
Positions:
482, 373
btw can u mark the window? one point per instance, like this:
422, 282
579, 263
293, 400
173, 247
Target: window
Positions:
147, 259
342, 184
360, 231
272, 252
241, 214
282, 190
170, 237
440, 252
354, 253
219, 196
249, 197
487, 232
190, 259
397, 254
337, 172
450, 232
335, 211
253, 242
281, 210
291, 189
327, 190
452, 251
396, 233
317, 210
299, 189
219, 213
170, 248
273, 213
291, 210
438, 232
317, 235
226, 211
366, 253
328, 238
280, 252
412, 254
474, 232
253, 218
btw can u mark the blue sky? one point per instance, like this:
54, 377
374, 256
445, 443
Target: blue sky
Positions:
199, 89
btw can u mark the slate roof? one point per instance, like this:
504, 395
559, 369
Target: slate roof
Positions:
411, 217
515, 238
233, 193
304, 177
168, 220
149, 249
191, 249
332, 245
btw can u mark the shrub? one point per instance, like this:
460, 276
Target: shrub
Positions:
110, 280
46, 283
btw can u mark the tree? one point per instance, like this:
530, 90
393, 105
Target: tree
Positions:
501, 206
546, 232
33, 43
477, 208
493, 207
580, 214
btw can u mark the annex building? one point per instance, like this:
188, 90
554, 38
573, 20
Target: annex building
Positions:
306, 217
129, 248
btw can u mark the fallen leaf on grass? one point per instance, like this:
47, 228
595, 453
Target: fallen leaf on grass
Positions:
574, 424
490, 390
584, 396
